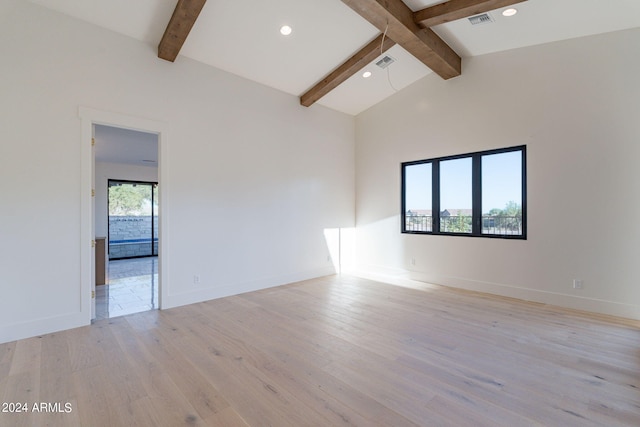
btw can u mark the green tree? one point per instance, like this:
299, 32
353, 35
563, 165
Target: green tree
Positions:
511, 216
458, 223
128, 199
508, 218
512, 209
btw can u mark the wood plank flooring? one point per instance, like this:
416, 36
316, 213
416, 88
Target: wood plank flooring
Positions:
334, 351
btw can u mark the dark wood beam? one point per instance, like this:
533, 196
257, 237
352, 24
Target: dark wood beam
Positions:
180, 24
411, 31
457, 9
351, 66
424, 44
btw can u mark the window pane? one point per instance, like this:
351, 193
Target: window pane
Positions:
502, 193
417, 196
456, 195
130, 219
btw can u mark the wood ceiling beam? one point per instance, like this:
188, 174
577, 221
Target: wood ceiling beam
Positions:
396, 18
183, 18
347, 69
457, 9
411, 31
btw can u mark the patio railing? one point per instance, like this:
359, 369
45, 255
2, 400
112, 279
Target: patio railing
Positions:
498, 225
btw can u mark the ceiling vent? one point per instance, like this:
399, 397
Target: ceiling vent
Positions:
484, 18
385, 62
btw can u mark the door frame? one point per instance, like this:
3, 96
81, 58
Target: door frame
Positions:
90, 117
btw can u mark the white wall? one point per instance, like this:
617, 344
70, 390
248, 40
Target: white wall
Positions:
104, 171
575, 105
251, 178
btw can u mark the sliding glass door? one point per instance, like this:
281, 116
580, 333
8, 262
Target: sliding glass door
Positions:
133, 219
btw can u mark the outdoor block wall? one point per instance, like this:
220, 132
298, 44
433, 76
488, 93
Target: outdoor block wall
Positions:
130, 236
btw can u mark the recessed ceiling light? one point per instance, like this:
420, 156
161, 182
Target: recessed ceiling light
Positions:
366, 74
509, 12
285, 30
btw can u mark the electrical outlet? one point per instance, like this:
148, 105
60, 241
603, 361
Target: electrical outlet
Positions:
577, 284
196, 279
413, 261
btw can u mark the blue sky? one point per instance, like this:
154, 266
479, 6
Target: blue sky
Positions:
501, 182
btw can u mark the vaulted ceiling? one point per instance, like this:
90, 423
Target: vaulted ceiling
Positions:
345, 37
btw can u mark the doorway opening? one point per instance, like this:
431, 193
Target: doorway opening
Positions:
126, 214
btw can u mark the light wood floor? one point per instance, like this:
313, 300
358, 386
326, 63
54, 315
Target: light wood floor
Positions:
335, 351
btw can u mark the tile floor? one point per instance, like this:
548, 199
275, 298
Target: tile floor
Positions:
132, 287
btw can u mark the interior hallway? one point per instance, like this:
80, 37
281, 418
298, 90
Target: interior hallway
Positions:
132, 287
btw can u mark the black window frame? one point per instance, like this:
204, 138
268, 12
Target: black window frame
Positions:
154, 224
477, 219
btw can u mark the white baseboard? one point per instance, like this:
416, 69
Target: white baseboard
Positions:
380, 273
18, 331
43, 326
221, 291
593, 305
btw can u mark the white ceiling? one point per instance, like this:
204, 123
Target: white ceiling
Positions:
116, 145
242, 37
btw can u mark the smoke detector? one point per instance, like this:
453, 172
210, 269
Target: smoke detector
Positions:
385, 62
483, 18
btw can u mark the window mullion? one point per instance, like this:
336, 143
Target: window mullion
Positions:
435, 196
476, 223
403, 189
524, 192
